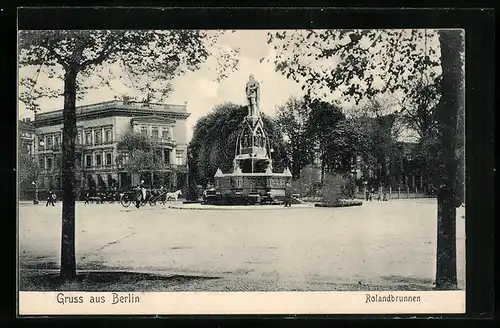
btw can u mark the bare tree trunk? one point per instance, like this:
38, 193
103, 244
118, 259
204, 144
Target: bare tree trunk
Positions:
451, 100
68, 262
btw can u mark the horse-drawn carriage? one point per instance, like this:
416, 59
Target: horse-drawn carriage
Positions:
153, 196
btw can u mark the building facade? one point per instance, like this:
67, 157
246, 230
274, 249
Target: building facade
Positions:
27, 136
99, 129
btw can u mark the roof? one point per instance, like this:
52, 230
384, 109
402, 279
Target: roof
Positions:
153, 119
26, 125
115, 108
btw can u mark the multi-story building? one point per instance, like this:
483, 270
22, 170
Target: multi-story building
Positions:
99, 129
27, 172
27, 135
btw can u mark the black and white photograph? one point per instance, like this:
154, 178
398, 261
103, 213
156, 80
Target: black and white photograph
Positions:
221, 161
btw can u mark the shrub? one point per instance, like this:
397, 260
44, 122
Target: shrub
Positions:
342, 203
337, 187
309, 182
332, 188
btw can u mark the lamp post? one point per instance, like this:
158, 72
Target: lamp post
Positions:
271, 158
35, 201
35, 184
365, 189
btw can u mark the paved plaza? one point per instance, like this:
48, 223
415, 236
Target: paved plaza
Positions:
382, 243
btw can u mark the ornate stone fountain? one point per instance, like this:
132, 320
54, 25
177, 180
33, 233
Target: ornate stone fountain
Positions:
252, 180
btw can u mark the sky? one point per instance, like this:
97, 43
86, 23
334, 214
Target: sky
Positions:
199, 89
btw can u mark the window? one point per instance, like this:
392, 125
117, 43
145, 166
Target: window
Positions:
79, 138
57, 141
58, 163
178, 159
108, 136
48, 143
98, 160
88, 160
41, 163
164, 134
97, 137
49, 164
144, 130
166, 156
78, 161
40, 141
88, 138
154, 132
108, 159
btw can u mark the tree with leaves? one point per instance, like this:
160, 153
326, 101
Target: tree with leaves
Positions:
292, 117
337, 139
374, 62
377, 147
29, 169
139, 155
80, 56
214, 142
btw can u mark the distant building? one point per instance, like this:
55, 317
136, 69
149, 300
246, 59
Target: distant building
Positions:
99, 129
27, 135
402, 169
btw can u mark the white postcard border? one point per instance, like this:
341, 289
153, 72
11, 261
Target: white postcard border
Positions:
192, 303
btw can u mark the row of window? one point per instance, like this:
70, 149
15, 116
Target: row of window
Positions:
99, 160
156, 132
54, 163
96, 136
50, 163
50, 141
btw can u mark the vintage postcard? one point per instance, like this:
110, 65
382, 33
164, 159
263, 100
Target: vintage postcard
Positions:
241, 171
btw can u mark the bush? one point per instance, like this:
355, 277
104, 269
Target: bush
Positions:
332, 190
337, 188
342, 203
309, 182
349, 188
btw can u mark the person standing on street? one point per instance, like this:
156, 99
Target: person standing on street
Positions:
288, 195
50, 199
143, 189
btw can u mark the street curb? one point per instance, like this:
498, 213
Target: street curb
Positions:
237, 208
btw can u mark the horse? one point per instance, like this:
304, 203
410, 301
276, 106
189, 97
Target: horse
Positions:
173, 195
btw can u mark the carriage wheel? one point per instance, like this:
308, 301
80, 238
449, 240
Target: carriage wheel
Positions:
125, 201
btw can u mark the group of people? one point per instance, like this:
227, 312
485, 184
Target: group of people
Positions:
144, 196
371, 194
51, 198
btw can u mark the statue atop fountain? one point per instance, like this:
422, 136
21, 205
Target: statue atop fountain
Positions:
253, 95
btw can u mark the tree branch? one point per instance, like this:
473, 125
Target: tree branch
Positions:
103, 55
60, 60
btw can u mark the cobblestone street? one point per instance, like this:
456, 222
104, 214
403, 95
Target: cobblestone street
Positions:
378, 243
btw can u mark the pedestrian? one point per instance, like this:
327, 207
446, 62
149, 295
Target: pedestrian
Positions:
288, 195
143, 189
141, 197
50, 199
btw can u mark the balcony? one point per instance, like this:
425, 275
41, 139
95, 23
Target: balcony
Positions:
163, 141
97, 168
